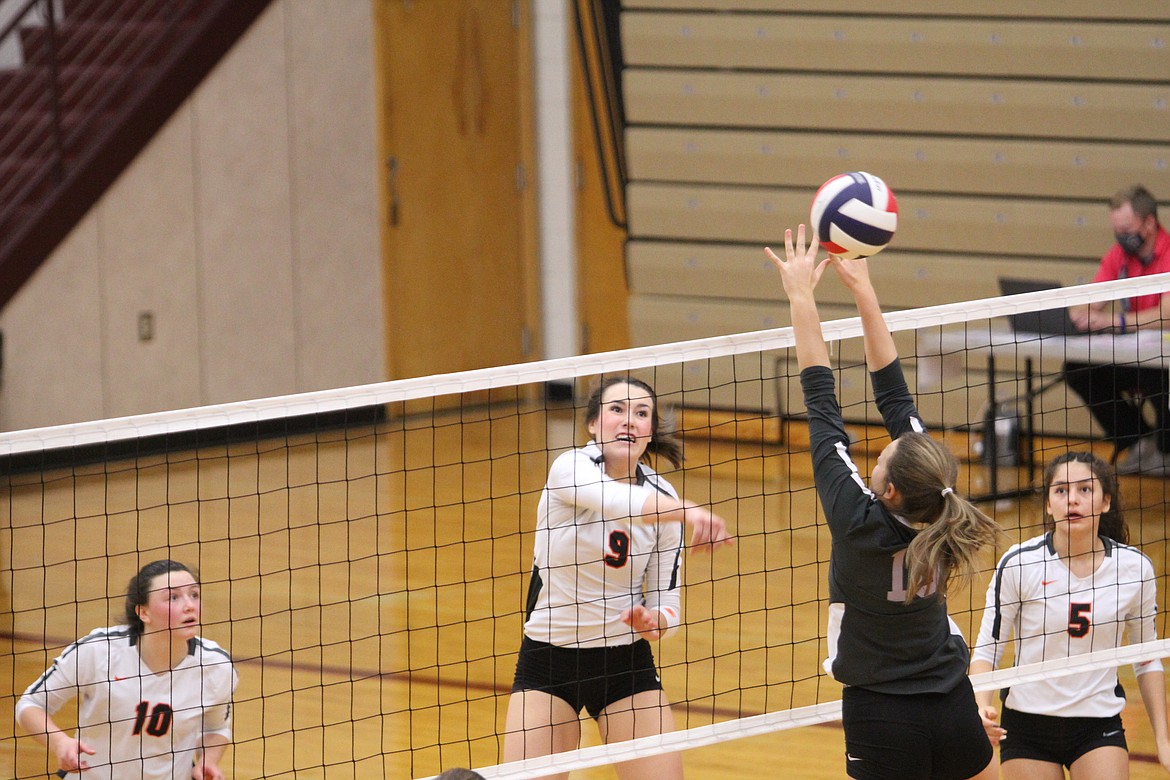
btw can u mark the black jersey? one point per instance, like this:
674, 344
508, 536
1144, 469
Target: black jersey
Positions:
876, 640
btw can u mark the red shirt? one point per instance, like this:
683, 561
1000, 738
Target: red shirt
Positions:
1116, 258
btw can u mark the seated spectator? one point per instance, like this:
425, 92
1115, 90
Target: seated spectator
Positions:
1114, 393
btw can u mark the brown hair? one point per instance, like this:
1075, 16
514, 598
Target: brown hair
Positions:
924, 472
138, 591
663, 441
1111, 523
1137, 196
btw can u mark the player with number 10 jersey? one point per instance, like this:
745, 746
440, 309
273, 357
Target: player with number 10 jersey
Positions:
154, 697
141, 723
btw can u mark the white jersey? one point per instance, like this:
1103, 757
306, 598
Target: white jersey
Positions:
141, 723
591, 561
1035, 601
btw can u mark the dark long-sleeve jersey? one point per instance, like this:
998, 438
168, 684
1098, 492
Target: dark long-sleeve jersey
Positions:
876, 640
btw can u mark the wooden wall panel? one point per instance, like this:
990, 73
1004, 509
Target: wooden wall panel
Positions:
903, 279
1151, 10
1003, 135
977, 47
904, 104
1007, 167
938, 223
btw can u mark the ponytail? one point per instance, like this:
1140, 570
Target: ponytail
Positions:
947, 548
952, 529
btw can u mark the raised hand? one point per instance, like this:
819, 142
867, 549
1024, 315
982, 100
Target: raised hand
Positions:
853, 273
799, 271
708, 530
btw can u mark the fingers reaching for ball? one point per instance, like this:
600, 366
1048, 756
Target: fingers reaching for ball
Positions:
799, 270
852, 272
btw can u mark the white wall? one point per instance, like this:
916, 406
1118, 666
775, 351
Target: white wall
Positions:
248, 228
11, 53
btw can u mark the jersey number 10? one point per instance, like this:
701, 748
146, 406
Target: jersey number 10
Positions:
897, 590
159, 722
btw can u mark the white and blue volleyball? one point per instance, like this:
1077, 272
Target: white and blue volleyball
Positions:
854, 215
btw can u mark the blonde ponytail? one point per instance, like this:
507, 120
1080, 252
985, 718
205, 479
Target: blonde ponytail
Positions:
946, 550
953, 529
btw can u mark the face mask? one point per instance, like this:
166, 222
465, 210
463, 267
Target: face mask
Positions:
1130, 242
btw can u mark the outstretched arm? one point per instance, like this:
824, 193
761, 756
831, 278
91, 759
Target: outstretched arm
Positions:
800, 273
575, 480
879, 344
708, 530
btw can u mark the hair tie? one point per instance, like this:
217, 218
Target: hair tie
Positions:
947, 490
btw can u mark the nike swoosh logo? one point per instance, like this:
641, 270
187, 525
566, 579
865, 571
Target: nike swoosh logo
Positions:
851, 758
1111, 733
116, 677
1046, 583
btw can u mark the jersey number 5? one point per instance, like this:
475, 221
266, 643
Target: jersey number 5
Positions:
1078, 619
159, 722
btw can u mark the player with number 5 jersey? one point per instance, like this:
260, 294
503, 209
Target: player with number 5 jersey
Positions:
154, 697
908, 710
1077, 588
605, 582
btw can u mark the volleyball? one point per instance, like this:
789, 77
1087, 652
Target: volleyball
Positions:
854, 215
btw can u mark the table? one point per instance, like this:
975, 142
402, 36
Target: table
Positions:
1148, 348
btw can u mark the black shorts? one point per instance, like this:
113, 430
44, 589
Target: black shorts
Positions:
1055, 739
918, 735
589, 677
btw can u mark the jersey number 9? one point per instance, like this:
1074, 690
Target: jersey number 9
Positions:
619, 545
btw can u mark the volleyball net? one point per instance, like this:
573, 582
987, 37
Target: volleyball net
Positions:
365, 553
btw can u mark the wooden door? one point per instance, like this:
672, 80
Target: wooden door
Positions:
458, 246
601, 277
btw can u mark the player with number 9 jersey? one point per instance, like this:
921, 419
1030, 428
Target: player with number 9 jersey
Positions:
592, 560
605, 582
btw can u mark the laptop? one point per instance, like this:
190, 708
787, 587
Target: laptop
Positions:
1049, 322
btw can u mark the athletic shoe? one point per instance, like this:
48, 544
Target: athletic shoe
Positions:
1144, 458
